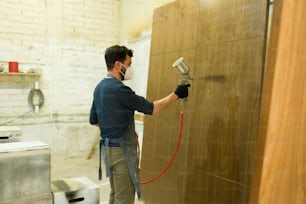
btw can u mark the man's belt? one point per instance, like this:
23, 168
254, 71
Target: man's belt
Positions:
111, 144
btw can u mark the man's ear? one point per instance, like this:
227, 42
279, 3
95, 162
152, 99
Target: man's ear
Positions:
117, 65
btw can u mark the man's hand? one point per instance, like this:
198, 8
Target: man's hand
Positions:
182, 91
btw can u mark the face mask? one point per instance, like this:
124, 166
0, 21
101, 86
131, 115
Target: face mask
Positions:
127, 74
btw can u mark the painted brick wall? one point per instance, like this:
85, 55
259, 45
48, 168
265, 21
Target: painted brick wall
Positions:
65, 41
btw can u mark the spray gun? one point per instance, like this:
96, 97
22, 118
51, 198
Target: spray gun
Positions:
183, 69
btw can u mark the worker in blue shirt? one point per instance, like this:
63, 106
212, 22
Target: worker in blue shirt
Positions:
113, 111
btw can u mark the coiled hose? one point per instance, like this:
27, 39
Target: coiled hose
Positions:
32, 98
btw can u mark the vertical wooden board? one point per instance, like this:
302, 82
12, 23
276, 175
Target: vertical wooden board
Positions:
214, 161
228, 20
281, 165
228, 70
161, 74
165, 132
172, 25
214, 145
212, 189
228, 86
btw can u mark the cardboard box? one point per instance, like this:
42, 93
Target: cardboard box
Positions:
75, 190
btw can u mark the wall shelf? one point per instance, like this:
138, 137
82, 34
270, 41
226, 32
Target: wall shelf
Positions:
18, 74
18, 80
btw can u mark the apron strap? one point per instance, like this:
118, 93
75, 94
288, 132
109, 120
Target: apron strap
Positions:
100, 158
106, 144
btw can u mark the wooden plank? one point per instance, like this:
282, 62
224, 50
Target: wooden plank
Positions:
159, 143
223, 43
281, 165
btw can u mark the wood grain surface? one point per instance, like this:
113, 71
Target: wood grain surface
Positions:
223, 43
280, 158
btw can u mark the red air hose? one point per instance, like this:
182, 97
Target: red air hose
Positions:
172, 157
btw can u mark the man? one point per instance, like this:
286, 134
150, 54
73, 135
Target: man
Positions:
113, 111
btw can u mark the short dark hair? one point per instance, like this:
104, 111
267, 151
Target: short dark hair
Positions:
116, 53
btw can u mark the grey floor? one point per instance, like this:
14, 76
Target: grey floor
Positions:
65, 168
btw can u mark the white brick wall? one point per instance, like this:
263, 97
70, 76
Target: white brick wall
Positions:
66, 40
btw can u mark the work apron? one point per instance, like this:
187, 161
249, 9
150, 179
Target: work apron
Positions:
128, 143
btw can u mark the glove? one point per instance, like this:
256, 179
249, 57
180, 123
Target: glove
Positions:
182, 90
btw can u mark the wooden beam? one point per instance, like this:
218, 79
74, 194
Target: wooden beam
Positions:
281, 151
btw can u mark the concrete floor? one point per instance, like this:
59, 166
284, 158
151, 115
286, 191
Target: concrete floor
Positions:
63, 168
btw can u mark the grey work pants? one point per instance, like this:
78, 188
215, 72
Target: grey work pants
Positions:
122, 188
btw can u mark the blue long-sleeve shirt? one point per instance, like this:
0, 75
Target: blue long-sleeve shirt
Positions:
114, 105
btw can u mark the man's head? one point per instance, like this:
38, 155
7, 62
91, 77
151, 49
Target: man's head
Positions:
118, 54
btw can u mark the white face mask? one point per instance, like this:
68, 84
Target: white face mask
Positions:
128, 74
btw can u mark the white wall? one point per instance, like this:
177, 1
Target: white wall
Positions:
140, 63
66, 40
136, 17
